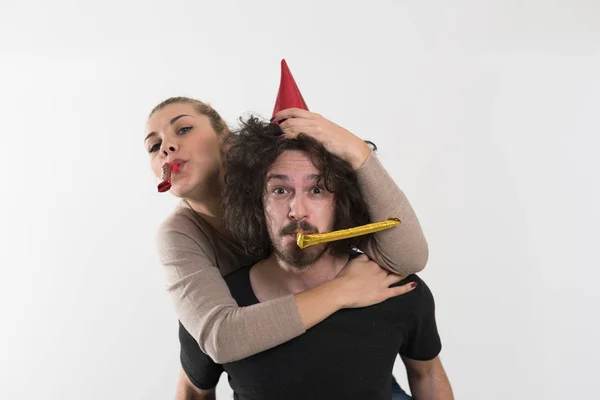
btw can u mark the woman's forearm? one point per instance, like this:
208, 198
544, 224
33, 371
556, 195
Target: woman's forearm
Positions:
317, 304
402, 249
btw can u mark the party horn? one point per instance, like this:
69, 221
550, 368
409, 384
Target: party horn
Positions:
167, 169
304, 241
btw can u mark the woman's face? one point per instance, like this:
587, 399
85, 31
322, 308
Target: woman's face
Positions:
179, 134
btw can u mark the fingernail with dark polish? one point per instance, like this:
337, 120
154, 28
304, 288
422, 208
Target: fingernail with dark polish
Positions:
413, 285
272, 118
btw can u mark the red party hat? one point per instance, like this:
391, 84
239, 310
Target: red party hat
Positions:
289, 95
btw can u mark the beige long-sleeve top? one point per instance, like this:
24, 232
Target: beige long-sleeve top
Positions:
196, 257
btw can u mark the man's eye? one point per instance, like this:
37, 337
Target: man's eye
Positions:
317, 190
184, 130
279, 191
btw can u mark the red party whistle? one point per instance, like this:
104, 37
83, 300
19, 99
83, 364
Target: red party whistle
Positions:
166, 177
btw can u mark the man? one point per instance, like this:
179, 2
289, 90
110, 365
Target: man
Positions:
277, 187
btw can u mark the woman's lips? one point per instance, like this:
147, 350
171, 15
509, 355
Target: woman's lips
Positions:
177, 165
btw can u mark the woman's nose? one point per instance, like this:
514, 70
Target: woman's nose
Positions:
169, 149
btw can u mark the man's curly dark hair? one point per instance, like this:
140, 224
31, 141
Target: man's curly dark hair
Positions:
251, 152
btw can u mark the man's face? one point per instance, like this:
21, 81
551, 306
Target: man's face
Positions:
296, 200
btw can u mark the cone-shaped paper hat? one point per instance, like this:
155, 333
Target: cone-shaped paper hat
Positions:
289, 95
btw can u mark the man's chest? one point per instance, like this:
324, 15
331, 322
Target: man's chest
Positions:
352, 351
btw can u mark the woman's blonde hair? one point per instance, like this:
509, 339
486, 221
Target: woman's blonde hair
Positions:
218, 123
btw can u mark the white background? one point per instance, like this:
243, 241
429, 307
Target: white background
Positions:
486, 114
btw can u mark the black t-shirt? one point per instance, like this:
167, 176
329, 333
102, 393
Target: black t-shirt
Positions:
349, 355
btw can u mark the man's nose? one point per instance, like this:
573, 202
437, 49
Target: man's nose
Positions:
298, 208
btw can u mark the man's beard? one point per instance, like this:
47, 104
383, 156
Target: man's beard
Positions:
294, 255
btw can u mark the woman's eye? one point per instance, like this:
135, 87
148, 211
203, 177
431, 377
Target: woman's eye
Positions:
279, 191
317, 190
184, 130
155, 147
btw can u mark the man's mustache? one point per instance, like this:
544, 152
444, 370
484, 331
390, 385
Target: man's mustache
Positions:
299, 226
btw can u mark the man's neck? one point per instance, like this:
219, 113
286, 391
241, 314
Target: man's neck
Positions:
273, 278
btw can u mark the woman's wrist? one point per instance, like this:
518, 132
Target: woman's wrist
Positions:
320, 302
336, 289
358, 153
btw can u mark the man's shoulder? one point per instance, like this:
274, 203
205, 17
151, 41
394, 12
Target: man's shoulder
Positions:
240, 286
240, 276
419, 296
422, 291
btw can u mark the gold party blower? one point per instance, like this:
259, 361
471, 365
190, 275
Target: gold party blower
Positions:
310, 240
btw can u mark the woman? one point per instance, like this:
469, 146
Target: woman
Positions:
196, 250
